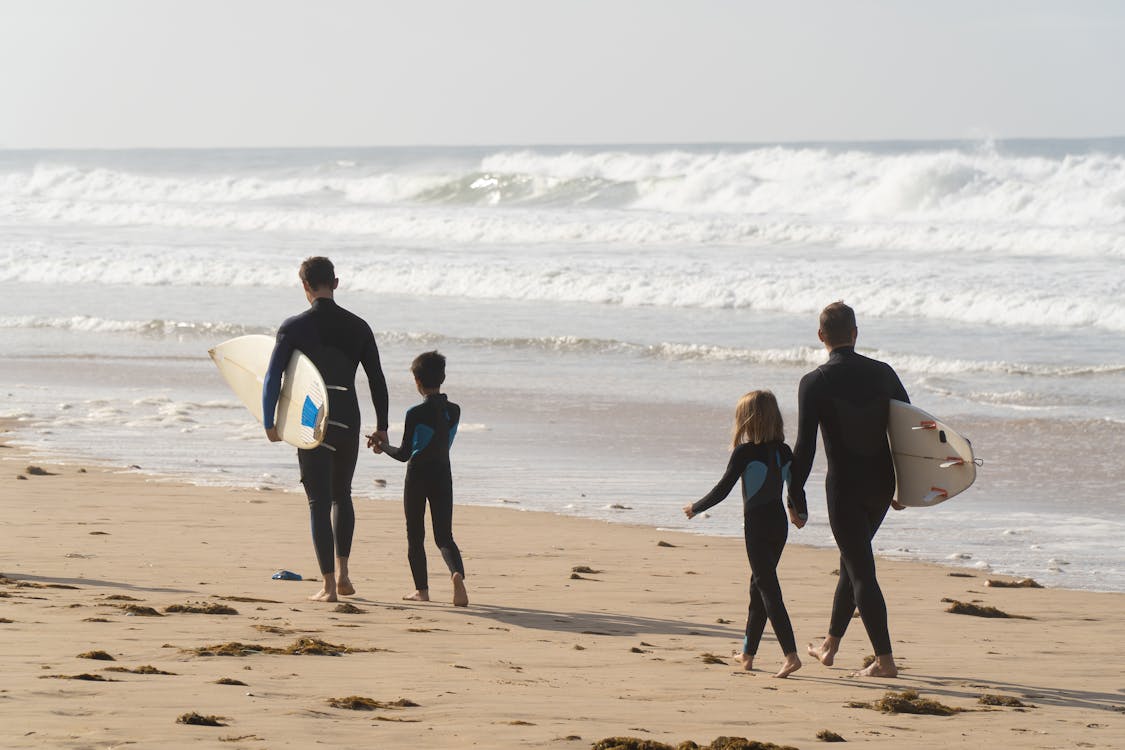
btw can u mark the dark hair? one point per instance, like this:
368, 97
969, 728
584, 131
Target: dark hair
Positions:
837, 324
317, 271
429, 369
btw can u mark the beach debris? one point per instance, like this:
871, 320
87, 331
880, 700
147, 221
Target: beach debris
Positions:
83, 676
247, 599
287, 575
95, 619
201, 720
719, 743
102, 655
38, 471
121, 598
360, 703
638, 650
349, 609
299, 647
202, 608
146, 669
240, 738
5, 621
230, 681
663, 543
723, 621
584, 569
619, 506
990, 699
907, 702
21, 477
709, 658
961, 575
519, 723
99, 533
274, 629
379, 482
576, 577
137, 610
578, 647
977, 610
1023, 583
827, 735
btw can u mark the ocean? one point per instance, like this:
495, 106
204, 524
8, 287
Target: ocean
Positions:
602, 309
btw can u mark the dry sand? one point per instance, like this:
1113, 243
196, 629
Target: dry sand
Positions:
538, 659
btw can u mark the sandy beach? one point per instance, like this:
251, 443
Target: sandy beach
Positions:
542, 657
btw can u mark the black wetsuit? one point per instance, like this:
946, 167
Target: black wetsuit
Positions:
848, 399
337, 342
763, 469
426, 439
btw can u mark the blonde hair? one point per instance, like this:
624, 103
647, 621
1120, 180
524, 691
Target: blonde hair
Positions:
757, 419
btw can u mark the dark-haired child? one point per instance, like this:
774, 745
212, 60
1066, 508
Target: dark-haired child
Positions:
427, 437
761, 459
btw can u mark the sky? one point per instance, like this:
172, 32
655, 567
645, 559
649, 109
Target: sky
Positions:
272, 73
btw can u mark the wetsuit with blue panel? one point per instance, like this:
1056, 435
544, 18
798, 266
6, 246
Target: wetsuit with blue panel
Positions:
763, 469
337, 342
848, 400
427, 437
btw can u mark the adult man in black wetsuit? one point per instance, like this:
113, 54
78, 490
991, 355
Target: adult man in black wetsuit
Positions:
337, 342
848, 399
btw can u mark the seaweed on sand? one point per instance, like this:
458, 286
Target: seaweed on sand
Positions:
200, 720
202, 608
978, 610
988, 699
146, 669
907, 702
299, 647
360, 703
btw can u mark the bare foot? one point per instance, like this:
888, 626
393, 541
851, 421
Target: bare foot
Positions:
344, 587
825, 653
791, 665
460, 595
883, 666
323, 596
421, 595
746, 661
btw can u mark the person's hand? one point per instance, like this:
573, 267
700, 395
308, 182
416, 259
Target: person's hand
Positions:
377, 441
273, 435
796, 519
689, 512
897, 506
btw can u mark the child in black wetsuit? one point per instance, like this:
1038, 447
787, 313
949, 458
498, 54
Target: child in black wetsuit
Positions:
426, 439
761, 459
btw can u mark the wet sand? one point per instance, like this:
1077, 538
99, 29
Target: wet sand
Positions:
540, 658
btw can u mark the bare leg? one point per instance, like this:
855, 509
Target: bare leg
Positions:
825, 653
344, 585
883, 666
328, 593
746, 661
791, 665
419, 595
460, 595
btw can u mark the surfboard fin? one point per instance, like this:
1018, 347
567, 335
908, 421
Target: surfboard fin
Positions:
935, 494
952, 461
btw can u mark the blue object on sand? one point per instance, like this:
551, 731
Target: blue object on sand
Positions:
286, 575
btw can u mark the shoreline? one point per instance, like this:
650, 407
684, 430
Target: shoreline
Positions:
540, 656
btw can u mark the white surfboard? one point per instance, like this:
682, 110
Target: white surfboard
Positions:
933, 462
302, 408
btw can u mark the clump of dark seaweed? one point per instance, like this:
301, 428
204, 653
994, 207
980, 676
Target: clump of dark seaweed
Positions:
139, 611
100, 655
202, 608
229, 681
827, 735
121, 598
584, 569
300, 647
719, 743
146, 669
360, 703
84, 676
710, 658
1023, 583
200, 720
978, 610
907, 702
988, 699
349, 609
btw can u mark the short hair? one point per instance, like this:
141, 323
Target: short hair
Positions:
317, 271
428, 369
837, 323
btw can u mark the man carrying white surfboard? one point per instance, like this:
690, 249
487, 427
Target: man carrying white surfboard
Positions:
337, 342
848, 398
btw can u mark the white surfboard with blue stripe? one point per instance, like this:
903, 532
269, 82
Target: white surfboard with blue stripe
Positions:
302, 408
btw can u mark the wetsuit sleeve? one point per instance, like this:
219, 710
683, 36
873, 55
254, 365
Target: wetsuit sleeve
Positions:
735, 467
271, 384
406, 448
804, 450
898, 391
375, 378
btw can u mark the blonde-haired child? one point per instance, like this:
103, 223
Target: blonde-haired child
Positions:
761, 459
